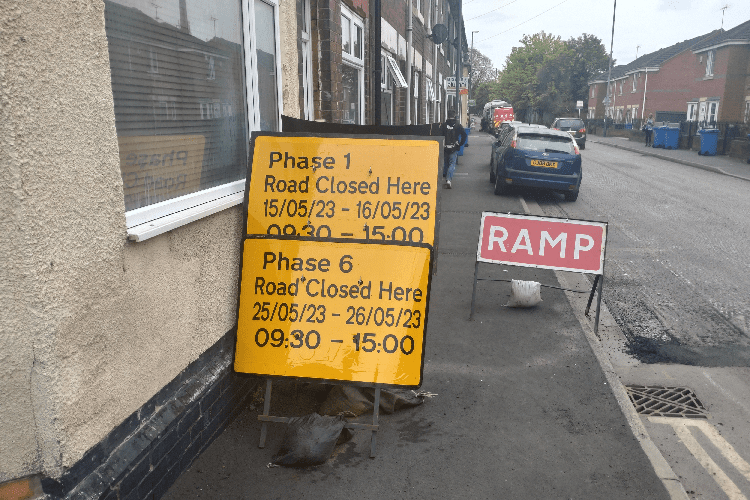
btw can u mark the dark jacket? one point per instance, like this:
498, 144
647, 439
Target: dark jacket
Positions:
451, 128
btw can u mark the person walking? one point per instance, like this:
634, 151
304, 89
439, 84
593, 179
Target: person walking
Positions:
455, 135
649, 129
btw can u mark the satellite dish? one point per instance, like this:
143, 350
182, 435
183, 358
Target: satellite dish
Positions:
439, 34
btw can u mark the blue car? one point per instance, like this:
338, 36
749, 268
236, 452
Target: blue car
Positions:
537, 157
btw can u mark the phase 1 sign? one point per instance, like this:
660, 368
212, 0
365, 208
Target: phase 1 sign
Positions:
333, 310
344, 187
544, 242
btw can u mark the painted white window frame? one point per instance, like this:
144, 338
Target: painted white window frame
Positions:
353, 61
712, 111
692, 111
635, 83
152, 220
307, 80
710, 57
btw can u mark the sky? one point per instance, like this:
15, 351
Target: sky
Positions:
641, 26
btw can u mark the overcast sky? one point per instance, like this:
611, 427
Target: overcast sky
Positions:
652, 24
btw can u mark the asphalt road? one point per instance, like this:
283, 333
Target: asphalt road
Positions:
676, 284
678, 261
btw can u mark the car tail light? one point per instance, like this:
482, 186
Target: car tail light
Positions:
582, 131
513, 143
575, 148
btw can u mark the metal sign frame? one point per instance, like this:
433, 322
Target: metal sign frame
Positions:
598, 279
265, 417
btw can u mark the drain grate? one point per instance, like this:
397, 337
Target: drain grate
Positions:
666, 401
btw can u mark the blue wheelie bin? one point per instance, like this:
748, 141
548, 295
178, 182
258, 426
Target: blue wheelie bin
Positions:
468, 133
671, 137
466, 143
660, 136
709, 141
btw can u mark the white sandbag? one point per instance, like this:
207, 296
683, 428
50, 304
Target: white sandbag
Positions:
524, 293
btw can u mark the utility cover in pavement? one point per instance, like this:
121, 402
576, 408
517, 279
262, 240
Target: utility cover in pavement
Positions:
666, 401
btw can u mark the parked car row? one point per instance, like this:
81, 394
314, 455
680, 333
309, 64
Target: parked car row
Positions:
538, 157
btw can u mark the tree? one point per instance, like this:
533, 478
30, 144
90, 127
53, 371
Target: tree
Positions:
482, 69
520, 82
548, 75
590, 59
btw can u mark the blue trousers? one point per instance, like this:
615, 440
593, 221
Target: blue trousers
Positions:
449, 164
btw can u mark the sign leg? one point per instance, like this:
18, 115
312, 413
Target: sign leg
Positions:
375, 410
266, 412
598, 305
591, 297
474, 291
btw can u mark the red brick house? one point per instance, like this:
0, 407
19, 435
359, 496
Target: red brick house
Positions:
704, 79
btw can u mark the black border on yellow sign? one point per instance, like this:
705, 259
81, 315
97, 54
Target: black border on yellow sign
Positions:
441, 160
344, 241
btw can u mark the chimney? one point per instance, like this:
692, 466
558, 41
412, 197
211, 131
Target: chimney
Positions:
184, 23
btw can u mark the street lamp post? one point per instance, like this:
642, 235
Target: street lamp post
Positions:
607, 99
471, 65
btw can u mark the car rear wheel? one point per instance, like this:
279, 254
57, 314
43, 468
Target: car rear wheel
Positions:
492, 171
500, 186
583, 145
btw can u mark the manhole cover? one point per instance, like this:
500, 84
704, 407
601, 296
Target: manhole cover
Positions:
666, 401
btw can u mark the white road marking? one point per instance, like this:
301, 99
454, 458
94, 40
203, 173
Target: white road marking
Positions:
681, 428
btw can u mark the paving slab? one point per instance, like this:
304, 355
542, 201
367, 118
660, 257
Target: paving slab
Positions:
721, 164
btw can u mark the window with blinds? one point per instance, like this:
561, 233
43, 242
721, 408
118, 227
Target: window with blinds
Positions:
177, 81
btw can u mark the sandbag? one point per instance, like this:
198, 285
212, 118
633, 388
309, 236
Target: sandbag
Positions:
308, 440
524, 293
347, 399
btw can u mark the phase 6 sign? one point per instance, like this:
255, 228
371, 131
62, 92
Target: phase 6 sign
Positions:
543, 242
333, 310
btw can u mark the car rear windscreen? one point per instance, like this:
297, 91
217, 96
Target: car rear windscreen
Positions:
570, 124
545, 143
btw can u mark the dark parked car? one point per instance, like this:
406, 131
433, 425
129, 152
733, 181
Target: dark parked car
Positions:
537, 157
575, 127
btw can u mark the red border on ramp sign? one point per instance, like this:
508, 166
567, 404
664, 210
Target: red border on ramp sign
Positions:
543, 242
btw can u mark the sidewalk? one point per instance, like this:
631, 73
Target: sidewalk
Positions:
523, 408
720, 164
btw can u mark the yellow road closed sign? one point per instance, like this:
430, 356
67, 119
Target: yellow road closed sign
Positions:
343, 187
333, 310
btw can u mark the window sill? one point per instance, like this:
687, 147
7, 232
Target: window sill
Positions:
153, 220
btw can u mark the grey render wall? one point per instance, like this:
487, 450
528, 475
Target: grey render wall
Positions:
93, 325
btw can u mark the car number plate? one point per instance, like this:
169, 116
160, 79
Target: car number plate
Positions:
543, 163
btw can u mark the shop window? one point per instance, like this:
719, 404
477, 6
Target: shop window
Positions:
746, 115
182, 86
352, 69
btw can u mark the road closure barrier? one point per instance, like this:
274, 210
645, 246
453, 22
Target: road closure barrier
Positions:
337, 255
545, 243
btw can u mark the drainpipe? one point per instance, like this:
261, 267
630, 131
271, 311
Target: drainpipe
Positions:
409, 61
459, 68
645, 86
378, 70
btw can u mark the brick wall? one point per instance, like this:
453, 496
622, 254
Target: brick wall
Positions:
143, 456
